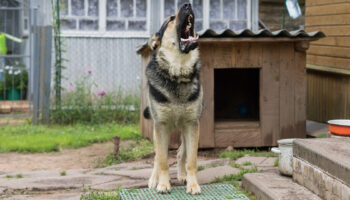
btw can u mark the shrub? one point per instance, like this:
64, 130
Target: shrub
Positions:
79, 104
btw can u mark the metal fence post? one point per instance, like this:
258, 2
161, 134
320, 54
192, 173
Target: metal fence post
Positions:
45, 73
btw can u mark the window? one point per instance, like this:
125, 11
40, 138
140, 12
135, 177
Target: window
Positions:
105, 17
214, 14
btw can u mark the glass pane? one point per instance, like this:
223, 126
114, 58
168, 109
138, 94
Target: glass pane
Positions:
63, 7
218, 25
236, 26
229, 9
68, 24
198, 25
112, 8
126, 8
169, 8
85, 24
93, 8
181, 2
77, 7
115, 25
198, 8
242, 9
215, 9
141, 8
137, 25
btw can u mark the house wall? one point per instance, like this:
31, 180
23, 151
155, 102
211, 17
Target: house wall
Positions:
271, 13
329, 81
113, 62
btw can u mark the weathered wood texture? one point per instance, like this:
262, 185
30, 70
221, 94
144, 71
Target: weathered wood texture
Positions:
282, 93
328, 96
271, 13
327, 93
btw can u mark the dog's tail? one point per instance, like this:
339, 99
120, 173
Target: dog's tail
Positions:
147, 113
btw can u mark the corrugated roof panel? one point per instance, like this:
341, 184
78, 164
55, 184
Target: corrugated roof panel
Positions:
263, 33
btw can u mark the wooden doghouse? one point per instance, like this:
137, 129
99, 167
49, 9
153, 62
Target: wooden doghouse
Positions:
254, 88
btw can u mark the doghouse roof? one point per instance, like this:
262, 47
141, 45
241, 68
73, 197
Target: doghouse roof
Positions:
247, 35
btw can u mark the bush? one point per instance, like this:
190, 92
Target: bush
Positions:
79, 104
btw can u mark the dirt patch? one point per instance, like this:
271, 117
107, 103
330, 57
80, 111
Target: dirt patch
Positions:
83, 158
64, 160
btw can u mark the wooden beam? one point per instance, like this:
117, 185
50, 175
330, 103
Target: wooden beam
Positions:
328, 69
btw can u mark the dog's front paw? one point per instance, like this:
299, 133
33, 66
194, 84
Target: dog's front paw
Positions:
182, 178
152, 182
163, 188
193, 189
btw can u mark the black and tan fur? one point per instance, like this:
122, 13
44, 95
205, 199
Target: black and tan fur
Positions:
175, 98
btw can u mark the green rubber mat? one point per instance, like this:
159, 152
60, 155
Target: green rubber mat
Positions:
209, 192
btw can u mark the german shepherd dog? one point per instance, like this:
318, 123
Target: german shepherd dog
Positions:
175, 98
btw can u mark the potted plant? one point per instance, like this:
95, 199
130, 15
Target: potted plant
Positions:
16, 79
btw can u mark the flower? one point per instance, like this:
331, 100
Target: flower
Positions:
70, 86
90, 71
101, 93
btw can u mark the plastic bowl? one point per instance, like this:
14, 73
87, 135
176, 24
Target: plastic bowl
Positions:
339, 127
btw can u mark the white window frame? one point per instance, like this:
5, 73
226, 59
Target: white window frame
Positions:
102, 21
206, 12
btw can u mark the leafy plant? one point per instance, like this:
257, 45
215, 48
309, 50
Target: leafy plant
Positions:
81, 104
15, 77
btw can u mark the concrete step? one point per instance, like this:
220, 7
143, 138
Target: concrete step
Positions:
273, 186
323, 166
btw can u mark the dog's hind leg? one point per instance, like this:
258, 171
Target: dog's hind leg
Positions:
181, 161
161, 136
191, 133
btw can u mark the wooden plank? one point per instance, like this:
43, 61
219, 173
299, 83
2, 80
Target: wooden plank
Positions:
327, 96
287, 88
332, 9
300, 94
236, 124
338, 52
222, 53
207, 139
343, 63
249, 137
328, 69
329, 30
249, 55
269, 95
342, 19
334, 41
323, 2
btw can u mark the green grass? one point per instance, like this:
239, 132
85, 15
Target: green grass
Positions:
113, 195
246, 163
139, 150
323, 135
26, 138
64, 173
9, 176
200, 168
19, 176
234, 155
233, 178
275, 164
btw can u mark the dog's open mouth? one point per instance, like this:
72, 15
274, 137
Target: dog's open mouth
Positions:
187, 39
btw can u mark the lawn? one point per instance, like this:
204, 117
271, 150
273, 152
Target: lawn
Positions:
26, 138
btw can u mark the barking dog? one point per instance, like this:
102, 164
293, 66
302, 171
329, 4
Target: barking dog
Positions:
175, 98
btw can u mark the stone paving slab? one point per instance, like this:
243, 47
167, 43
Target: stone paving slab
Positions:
272, 186
332, 155
208, 175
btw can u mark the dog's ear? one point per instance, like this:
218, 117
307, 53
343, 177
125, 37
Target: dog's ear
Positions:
154, 41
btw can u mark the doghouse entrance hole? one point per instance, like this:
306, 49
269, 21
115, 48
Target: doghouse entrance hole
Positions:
236, 94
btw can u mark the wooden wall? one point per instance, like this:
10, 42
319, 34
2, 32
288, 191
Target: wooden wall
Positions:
333, 18
328, 93
271, 13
